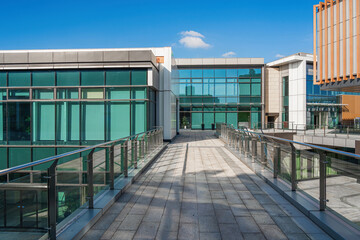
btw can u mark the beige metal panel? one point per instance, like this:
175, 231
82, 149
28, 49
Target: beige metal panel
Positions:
1, 57
90, 56
354, 56
347, 57
65, 57
116, 56
16, 57
196, 61
40, 57
210, 61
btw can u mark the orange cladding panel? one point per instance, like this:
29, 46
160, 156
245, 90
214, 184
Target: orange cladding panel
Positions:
353, 104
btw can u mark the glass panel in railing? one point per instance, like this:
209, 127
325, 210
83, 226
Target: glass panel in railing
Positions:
101, 169
69, 184
269, 155
285, 162
2, 208
117, 160
343, 186
308, 171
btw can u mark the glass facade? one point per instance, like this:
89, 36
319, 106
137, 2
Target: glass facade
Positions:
211, 95
322, 115
60, 108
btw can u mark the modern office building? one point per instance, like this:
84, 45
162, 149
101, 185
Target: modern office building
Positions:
215, 90
292, 100
54, 101
337, 45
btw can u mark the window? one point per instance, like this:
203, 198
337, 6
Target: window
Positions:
118, 93
19, 121
220, 89
117, 77
93, 121
231, 73
138, 117
43, 78
43, 94
184, 73
92, 93
19, 79
43, 122
68, 123
119, 113
256, 89
92, 78
67, 93
138, 77
208, 73
244, 89
19, 94
220, 73
68, 78
3, 79
138, 93
196, 73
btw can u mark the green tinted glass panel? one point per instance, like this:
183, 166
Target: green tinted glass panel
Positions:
19, 94
41, 153
196, 120
138, 93
243, 72
220, 89
244, 89
43, 93
256, 80
220, 117
118, 120
68, 122
67, 93
117, 77
43, 121
3, 76
255, 119
208, 73
231, 118
138, 117
243, 117
220, 73
2, 94
118, 93
184, 73
231, 90
196, 73
19, 156
19, 79
208, 120
18, 122
93, 121
3, 158
2, 123
68, 78
44, 78
231, 73
138, 77
92, 78
256, 89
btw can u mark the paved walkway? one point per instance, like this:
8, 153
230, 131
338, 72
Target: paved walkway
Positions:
208, 195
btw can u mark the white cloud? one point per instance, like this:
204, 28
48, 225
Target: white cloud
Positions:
192, 34
279, 55
192, 39
229, 54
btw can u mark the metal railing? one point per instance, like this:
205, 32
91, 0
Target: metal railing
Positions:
327, 175
41, 194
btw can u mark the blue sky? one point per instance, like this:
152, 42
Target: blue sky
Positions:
193, 28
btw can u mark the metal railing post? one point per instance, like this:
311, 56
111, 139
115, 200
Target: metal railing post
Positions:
126, 155
254, 148
323, 163
135, 149
293, 168
112, 167
276, 160
52, 203
90, 178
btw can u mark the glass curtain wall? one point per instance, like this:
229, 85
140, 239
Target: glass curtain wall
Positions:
212, 95
70, 108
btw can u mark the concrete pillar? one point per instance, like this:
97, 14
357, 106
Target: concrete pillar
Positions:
357, 147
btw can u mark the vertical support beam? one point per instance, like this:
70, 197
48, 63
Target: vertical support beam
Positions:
90, 178
326, 42
320, 43
315, 49
322, 180
111, 167
338, 40
344, 41
126, 160
293, 168
332, 40
358, 39
276, 160
351, 25
51, 184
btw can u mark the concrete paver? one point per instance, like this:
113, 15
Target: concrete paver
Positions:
206, 194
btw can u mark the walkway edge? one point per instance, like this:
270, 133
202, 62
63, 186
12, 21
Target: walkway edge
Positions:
86, 218
329, 222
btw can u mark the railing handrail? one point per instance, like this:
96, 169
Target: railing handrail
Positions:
52, 158
304, 144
